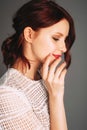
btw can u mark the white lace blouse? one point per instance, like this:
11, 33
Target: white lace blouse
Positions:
23, 103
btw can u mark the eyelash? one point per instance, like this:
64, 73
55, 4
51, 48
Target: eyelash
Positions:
56, 39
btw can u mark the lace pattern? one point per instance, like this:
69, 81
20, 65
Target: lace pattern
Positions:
23, 103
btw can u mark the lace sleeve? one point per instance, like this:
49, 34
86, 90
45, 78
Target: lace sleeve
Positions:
16, 112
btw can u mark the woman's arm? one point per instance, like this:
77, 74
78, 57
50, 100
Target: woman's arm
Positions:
57, 114
54, 80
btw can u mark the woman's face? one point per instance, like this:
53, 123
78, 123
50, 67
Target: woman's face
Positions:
50, 40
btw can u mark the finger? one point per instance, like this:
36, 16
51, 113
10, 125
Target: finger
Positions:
45, 67
53, 67
59, 70
62, 76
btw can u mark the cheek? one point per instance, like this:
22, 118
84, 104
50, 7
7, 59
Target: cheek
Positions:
42, 48
47, 47
48, 44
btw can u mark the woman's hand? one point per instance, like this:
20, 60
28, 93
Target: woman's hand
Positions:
53, 75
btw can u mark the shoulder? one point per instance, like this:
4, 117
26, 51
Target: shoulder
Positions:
12, 100
16, 111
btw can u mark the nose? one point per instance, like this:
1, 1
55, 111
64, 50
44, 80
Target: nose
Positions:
63, 47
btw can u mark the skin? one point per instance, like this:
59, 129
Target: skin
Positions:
39, 48
47, 41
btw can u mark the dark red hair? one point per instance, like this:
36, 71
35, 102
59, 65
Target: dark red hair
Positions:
35, 14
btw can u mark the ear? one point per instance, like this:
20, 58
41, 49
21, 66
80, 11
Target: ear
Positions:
28, 34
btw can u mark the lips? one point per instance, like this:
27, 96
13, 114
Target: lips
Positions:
56, 56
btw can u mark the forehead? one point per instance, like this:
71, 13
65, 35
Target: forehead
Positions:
60, 27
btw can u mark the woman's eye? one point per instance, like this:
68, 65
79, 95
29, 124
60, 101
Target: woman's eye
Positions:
55, 39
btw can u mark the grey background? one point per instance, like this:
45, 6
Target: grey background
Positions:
76, 86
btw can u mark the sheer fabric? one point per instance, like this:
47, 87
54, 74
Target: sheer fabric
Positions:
23, 103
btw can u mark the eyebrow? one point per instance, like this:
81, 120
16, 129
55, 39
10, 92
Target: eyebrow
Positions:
60, 34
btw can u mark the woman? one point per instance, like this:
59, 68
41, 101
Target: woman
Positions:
32, 89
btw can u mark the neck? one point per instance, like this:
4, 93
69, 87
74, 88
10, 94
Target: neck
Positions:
31, 72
